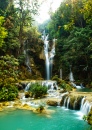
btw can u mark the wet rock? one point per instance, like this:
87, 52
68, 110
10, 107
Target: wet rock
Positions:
89, 117
1, 106
52, 103
6, 103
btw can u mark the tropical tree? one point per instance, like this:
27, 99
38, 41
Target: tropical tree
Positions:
8, 69
71, 25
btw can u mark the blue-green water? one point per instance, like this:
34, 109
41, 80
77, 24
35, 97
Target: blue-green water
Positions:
26, 120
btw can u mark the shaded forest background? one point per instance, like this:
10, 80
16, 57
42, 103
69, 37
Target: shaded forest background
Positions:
21, 46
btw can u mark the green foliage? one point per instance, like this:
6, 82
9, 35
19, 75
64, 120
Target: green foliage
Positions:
3, 32
8, 69
21, 59
8, 92
21, 35
71, 25
37, 90
62, 84
3, 6
87, 9
66, 86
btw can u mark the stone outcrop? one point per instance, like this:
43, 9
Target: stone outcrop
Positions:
1, 106
89, 117
52, 102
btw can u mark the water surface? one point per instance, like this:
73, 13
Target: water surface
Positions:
26, 120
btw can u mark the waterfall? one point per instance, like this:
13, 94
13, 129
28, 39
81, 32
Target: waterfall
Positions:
51, 85
49, 55
52, 54
27, 61
27, 87
82, 102
68, 101
78, 104
85, 106
71, 78
65, 100
46, 46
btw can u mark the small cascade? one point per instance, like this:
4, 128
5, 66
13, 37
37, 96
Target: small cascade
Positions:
85, 106
65, 100
28, 63
82, 102
68, 101
77, 104
27, 59
71, 78
27, 87
51, 85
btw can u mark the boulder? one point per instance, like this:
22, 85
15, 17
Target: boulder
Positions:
52, 102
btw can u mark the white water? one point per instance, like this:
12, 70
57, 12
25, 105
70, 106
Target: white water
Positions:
68, 101
85, 106
27, 87
49, 55
71, 78
82, 102
51, 85
65, 101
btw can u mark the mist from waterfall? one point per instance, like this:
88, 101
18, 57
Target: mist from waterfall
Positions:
49, 55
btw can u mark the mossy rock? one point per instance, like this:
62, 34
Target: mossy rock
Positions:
89, 117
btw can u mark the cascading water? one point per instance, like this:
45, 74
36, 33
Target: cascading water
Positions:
74, 105
46, 46
27, 61
49, 55
71, 78
85, 106
82, 102
68, 101
52, 54
65, 101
